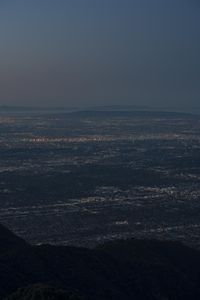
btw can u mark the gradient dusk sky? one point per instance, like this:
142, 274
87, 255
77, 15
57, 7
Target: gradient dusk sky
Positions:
98, 52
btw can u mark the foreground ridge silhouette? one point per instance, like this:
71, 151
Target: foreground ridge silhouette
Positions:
124, 269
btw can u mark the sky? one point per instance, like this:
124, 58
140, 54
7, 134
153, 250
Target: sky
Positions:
100, 52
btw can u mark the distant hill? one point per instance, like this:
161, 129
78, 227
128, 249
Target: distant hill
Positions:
127, 113
131, 269
136, 109
119, 108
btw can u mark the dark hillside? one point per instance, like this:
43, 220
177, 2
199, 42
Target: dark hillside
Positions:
9, 241
41, 292
132, 269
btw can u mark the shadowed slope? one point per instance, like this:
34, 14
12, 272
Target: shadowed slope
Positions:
132, 269
9, 241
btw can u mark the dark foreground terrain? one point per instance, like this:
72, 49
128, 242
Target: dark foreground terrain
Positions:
132, 269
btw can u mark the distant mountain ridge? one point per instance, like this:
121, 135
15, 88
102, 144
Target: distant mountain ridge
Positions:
127, 113
131, 269
118, 108
103, 108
